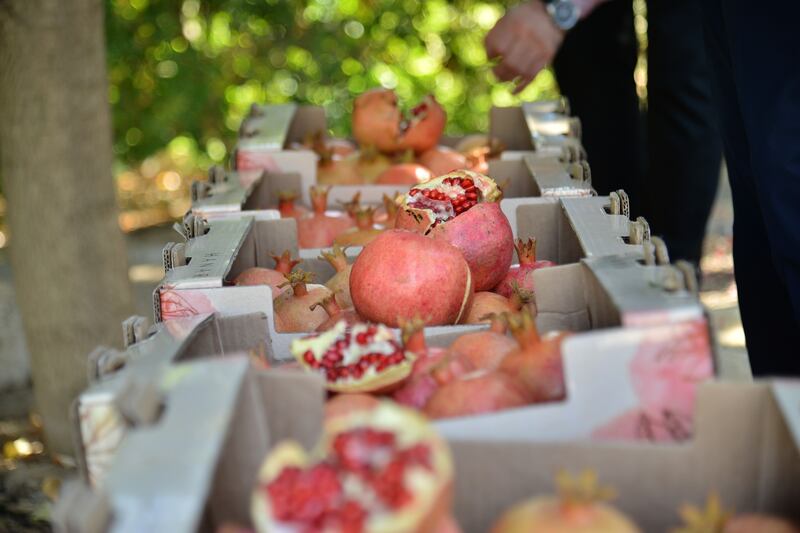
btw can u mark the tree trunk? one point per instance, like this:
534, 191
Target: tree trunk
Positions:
67, 252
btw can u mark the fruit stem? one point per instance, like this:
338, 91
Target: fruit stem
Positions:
329, 304
519, 296
351, 207
335, 257
284, 263
390, 206
319, 198
523, 327
526, 251
413, 336
286, 203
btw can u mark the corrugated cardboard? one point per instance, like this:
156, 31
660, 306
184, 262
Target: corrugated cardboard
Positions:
194, 468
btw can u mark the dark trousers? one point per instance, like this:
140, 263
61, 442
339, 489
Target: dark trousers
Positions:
668, 158
754, 51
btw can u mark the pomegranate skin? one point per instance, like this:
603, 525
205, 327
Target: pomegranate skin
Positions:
483, 349
376, 120
426, 125
401, 274
521, 275
441, 160
263, 276
486, 303
483, 235
485, 393
404, 174
421, 384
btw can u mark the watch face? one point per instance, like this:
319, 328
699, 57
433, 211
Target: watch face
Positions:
564, 13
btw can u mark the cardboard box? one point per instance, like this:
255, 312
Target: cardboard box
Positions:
124, 389
194, 468
248, 191
537, 130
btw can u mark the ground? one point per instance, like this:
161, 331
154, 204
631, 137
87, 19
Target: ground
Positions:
29, 478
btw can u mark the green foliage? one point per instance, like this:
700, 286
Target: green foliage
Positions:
190, 69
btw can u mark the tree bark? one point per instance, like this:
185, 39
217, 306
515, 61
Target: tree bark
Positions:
67, 251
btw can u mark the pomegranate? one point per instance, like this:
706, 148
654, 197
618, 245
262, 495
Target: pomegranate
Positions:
355, 358
479, 392
345, 404
485, 349
335, 313
330, 147
485, 304
537, 364
441, 160
404, 174
268, 276
421, 385
463, 208
339, 283
319, 230
337, 172
715, 519
287, 206
377, 121
370, 163
402, 274
364, 232
522, 274
293, 313
578, 508
378, 469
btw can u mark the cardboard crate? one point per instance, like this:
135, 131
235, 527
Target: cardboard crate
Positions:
539, 130
194, 468
247, 191
124, 384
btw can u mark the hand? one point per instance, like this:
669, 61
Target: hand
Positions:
525, 40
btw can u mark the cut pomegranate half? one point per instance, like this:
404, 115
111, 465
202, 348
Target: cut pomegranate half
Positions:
382, 468
355, 358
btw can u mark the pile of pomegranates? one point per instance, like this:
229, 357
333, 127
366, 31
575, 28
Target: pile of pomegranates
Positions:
393, 147
378, 467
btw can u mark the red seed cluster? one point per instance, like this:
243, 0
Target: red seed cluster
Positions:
314, 497
331, 360
460, 203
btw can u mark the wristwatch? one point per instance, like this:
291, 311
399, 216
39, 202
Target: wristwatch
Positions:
564, 12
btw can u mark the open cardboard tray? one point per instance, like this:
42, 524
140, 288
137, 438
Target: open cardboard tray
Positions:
539, 130
122, 390
247, 191
199, 272
193, 468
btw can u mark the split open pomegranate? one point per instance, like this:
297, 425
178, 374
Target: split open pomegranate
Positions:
463, 209
355, 357
381, 469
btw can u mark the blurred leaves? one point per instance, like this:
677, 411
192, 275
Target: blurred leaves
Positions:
189, 69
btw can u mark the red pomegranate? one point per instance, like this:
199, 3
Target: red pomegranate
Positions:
335, 313
441, 160
421, 384
337, 172
463, 209
485, 349
382, 468
522, 274
537, 363
355, 358
293, 313
403, 274
287, 206
377, 121
480, 392
404, 174
364, 232
346, 404
319, 230
268, 276
579, 507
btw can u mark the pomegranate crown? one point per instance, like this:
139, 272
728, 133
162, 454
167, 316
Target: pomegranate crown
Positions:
582, 489
364, 215
297, 277
328, 303
351, 207
284, 262
410, 327
390, 204
287, 195
523, 295
526, 250
335, 257
712, 519
522, 325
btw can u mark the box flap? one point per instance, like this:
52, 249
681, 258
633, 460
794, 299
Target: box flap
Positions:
600, 233
787, 396
266, 127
